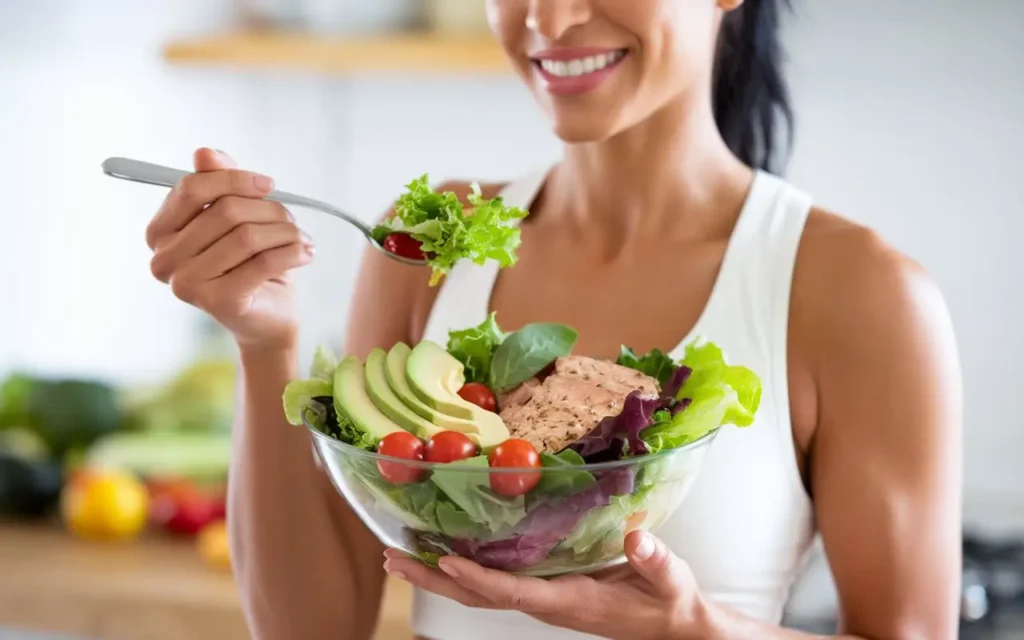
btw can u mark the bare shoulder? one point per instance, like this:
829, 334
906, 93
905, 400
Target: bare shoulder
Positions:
868, 325
851, 286
392, 300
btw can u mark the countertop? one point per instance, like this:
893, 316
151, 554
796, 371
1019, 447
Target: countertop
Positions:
155, 588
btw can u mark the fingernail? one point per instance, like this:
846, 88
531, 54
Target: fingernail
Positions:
645, 548
396, 574
447, 568
309, 249
263, 183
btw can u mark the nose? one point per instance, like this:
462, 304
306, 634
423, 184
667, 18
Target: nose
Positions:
552, 18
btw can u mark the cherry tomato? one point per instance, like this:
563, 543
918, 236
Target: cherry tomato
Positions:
514, 454
480, 395
402, 244
404, 445
449, 446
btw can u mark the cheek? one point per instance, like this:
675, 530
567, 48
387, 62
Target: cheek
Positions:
679, 45
507, 19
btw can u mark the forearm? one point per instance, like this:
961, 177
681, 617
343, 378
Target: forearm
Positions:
723, 623
296, 548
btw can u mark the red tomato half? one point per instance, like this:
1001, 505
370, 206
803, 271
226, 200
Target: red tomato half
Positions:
449, 446
514, 454
404, 445
402, 244
480, 395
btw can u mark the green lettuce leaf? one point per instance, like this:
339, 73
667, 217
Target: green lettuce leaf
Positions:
565, 481
469, 490
448, 234
474, 348
324, 364
719, 394
654, 363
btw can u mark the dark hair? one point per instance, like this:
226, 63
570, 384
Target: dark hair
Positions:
751, 97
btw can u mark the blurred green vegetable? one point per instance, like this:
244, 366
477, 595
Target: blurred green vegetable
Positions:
28, 488
197, 456
200, 398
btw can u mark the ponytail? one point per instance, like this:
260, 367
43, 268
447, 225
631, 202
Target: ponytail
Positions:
750, 94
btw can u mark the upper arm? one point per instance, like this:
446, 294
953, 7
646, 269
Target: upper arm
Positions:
886, 454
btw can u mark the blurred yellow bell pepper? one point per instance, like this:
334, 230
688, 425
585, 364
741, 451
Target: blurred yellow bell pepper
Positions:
105, 505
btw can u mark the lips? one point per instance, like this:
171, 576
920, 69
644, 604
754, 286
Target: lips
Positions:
576, 71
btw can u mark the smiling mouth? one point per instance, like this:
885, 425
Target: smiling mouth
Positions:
582, 66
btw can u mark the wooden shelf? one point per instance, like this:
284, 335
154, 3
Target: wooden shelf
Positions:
154, 588
343, 56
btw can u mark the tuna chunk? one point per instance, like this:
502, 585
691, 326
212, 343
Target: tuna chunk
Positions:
570, 402
519, 395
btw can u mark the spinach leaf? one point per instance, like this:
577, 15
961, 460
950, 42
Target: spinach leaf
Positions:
526, 352
654, 363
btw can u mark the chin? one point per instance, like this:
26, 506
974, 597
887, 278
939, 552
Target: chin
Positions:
577, 130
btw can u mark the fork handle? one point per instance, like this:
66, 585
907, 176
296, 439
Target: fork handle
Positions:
154, 174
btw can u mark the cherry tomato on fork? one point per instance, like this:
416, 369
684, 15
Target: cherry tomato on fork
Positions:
402, 244
480, 395
514, 454
404, 445
449, 446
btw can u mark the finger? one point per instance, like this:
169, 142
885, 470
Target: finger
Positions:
208, 227
241, 244
654, 562
237, 286
418, 574
504, 590
264, 267
198, 190
207, 159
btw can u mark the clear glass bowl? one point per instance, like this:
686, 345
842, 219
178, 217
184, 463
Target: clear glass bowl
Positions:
574, 520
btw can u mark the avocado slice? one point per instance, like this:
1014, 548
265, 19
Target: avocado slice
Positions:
390, 404
435, 377
351, 397
395, 365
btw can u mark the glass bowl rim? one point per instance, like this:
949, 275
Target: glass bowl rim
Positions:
611, 465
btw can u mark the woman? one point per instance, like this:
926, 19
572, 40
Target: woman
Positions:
657, 220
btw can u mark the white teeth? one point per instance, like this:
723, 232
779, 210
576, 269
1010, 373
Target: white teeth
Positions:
580, 66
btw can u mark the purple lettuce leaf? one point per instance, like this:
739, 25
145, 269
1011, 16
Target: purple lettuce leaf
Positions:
545, 526
619, 435
678, 378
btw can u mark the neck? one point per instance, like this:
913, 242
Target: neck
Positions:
673, 166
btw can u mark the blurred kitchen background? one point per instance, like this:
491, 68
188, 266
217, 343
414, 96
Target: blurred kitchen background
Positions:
910, 119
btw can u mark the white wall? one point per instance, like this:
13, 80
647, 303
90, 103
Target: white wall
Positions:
909, 121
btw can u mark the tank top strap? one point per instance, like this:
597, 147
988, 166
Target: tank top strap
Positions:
749, 307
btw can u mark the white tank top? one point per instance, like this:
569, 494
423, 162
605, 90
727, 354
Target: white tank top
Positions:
747, 523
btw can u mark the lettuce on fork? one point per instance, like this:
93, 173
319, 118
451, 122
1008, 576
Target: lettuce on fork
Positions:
447, 233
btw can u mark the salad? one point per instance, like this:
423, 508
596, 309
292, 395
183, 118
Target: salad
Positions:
509, 449
435, 227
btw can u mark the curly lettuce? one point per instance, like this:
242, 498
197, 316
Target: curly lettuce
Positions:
475, 347
447, 233
714, 394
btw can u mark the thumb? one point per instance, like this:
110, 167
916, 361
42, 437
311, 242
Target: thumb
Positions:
654, 562
206, 159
